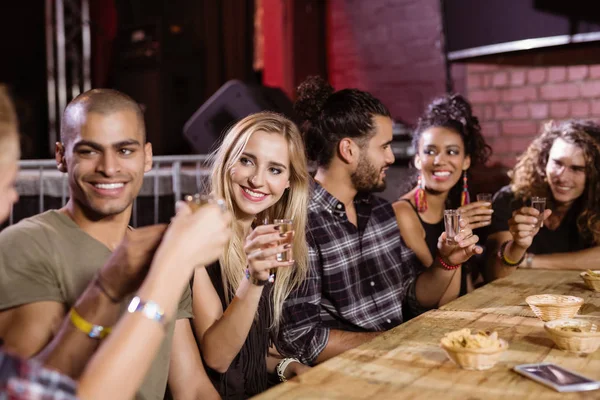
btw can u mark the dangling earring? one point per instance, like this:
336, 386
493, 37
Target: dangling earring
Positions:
464, 196
420, 196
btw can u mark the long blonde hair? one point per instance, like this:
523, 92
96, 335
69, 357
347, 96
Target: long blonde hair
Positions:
293, 204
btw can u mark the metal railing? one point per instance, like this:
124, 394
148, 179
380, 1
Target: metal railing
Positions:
169, 175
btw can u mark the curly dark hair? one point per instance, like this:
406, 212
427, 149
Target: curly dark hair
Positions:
326, 117
453, 111
528, 177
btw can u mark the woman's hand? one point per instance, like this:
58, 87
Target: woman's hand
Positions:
525, 224
262, 246
464, 248
478, 213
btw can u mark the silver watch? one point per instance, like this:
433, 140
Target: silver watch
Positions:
529, 260
149, 309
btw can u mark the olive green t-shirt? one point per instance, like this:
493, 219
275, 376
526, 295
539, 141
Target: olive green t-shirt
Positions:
49, 258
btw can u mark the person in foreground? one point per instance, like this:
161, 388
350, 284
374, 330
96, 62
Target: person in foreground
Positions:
447, 142
69, 252
361, 275
260, 170
560, 165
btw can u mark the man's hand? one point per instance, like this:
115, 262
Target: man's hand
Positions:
525, 224
126, 269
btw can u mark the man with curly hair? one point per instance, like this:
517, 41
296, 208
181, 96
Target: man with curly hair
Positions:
561, 165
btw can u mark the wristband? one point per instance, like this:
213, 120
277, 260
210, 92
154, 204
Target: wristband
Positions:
446, 266
505, 260
102, 288
91, 330
282, 366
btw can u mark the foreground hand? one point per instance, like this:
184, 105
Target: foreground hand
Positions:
197, 238
464, 248
525, 224
262, 246
479, 214
128, 265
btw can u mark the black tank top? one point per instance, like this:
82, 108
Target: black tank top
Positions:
432, 234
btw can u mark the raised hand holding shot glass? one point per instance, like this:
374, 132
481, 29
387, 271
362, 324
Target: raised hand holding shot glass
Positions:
451, 222
539, 203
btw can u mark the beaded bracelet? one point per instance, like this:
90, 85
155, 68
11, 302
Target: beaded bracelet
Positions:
505, 260
446, 266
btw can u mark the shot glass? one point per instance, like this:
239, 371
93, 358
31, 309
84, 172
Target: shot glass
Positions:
485, 197
451, 222
285, 226
539, 203
195, 201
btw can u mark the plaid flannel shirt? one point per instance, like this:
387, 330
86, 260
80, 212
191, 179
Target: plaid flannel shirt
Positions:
359, 278
29, 380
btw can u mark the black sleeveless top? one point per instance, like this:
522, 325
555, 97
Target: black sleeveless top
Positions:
432, 234
247, 375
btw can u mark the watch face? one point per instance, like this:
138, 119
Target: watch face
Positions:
152, 311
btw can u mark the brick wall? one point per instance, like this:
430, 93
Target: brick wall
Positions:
389, 48
393, 49
513, 102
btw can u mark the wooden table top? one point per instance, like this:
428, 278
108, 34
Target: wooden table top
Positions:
507, 296
408, 363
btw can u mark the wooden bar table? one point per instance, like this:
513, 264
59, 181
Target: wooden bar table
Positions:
507, 296
408, 363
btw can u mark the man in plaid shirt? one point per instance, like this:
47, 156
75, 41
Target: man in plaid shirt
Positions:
361, 275
28, 380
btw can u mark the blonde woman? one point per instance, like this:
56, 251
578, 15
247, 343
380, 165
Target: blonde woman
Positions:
260, 170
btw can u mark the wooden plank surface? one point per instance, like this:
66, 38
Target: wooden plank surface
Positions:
507, 296
407, 363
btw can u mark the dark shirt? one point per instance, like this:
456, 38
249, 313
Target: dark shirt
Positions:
247, 375
564, 239
432, 235
28, 380
359, 278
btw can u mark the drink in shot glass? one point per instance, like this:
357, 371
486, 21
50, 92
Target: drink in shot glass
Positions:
487, 197
285, 226
451, 222
539, 203
198, 200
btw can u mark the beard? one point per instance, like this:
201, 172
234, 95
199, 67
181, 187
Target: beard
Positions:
366, 177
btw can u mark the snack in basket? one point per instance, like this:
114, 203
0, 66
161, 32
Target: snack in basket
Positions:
475, 351
591, 279
570, 329
467, 340
593, 274
574, 335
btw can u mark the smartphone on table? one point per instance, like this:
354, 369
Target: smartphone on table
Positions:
557, 377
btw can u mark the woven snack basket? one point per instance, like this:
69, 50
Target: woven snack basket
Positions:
475, 359
593, 282
587, 341
548, 307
